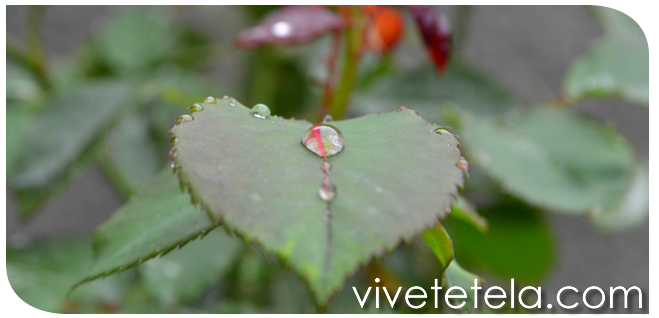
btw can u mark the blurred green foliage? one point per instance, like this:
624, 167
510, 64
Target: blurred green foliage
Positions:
115, 101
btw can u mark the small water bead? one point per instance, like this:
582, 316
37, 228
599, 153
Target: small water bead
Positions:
328, 119
232, 102
261, 111
225, 97
196, 107
323, 140
401, 108
184, 119
463, 164
327, 190
210, 100
326, 167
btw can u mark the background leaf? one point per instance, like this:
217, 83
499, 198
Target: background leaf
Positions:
461, 88
458, 276
440, 243
135, 40
60, 138
42, 273
256, 176
518, 244
633, 209
185, 275
615, 66
151, 224
131, 153
577, 164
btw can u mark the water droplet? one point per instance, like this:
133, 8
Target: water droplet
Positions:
196, 107
261, 111
463, 164
326, 167
326, 215
327, 190
173, 165
210, 100
328, 119
226, 97
447, 209
323, 140
232, 102
184, 119
401, 108
281, 29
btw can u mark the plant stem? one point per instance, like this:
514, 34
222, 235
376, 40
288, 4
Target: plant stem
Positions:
33, 59
331, 74
353, 32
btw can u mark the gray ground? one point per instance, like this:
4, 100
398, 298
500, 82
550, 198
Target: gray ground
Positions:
528, 48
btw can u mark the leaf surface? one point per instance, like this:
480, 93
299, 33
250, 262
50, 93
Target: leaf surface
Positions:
153, 223
456, 276
394, 178
552, 158
440, 243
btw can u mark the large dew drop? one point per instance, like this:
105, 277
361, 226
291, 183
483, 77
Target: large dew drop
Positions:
323, 140
261, 111
210, 100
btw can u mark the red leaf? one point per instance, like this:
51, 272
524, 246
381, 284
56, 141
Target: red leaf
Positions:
436, 32
289, 26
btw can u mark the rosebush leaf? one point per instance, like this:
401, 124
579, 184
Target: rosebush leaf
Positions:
577, 164
41, 273
132, 157
289, 26
440, 243
461, 87
518, 244
634, 207
183, 276
60, 136
615, 66
466, 211
153, 223
456, 276
395, 177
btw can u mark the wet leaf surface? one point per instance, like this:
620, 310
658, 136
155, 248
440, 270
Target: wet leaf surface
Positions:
394, 178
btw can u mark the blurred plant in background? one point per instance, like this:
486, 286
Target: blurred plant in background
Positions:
115, 102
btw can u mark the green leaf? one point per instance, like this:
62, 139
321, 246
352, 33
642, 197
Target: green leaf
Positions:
395, 177
60, 138
616, 66
153, 223
576, 164
185, 275
440, 243
41, 275
457, 276
132, 157
616, 23
613, 67
633, 209
466, 211
461, 87
18, 120
518, 244
135, 40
